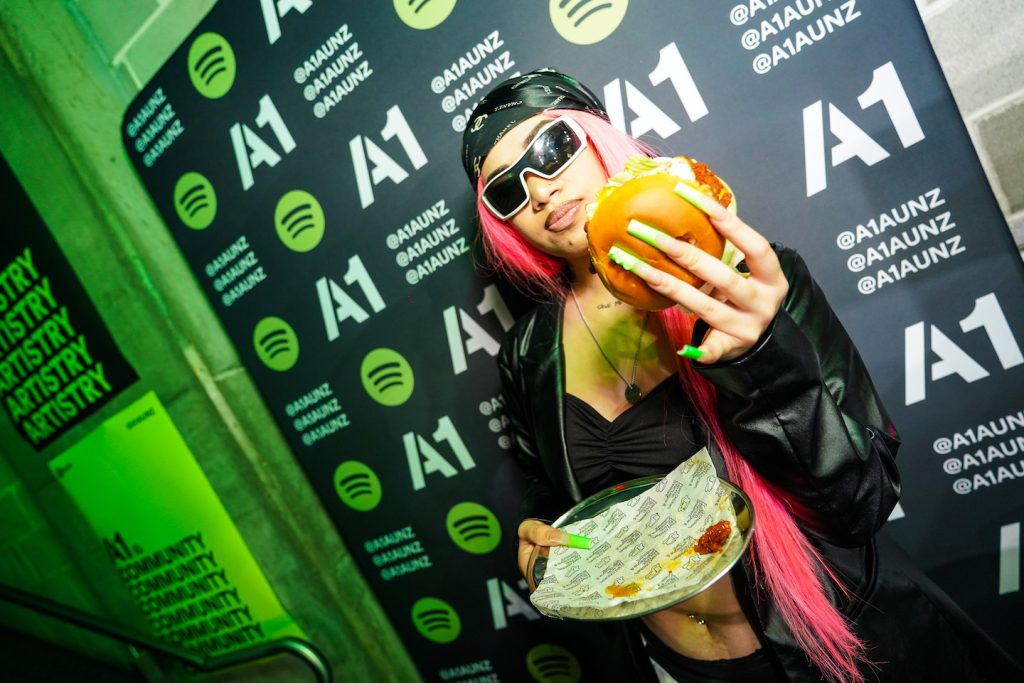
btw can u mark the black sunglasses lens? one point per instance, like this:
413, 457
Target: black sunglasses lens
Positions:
506, 193
553, 149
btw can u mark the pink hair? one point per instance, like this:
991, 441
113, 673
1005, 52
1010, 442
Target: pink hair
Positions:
783, 560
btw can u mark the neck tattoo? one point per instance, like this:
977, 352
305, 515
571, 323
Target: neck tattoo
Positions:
632, 392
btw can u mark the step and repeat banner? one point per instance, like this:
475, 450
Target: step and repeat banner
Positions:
305, 156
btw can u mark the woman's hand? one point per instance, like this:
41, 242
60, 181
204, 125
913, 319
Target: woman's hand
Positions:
738, 309
533, 532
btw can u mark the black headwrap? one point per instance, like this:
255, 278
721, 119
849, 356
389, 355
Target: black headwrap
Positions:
514, 101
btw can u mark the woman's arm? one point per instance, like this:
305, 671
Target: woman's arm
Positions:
801, 408
793, 392
541, 502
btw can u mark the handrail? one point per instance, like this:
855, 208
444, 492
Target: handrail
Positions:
302, 649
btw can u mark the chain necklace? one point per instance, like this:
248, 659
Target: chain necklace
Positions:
632, 393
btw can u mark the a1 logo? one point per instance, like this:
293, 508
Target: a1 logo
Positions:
466, 336
274, 11
337, 304
853, 142
952, 359
424, 458
648, 116
252, 151
436, 620
365, 152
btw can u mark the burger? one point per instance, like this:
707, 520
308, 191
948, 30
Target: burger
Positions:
648, 191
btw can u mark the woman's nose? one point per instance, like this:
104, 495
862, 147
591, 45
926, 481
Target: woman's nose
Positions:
541, 189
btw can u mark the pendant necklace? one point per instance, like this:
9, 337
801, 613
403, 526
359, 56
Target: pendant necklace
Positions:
632, 393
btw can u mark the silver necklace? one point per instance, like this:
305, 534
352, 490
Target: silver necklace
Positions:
632, 393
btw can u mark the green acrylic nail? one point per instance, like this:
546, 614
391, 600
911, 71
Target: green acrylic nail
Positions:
581, 542
694, 196
646, 233
625, 259
691, 352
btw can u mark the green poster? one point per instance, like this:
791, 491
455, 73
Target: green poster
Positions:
168, 534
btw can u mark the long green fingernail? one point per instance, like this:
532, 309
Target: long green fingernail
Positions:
694, 196
691, 352
647, 233
581, 542
623, 258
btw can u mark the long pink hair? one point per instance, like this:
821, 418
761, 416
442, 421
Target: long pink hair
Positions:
784, 563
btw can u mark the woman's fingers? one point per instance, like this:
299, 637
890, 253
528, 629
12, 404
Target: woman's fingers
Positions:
539, 533
533, 532
715, 347
695, 260
715, 313
760, 256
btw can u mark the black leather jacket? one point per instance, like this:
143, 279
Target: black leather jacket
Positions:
802, 410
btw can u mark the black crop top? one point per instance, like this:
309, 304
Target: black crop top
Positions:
651, 437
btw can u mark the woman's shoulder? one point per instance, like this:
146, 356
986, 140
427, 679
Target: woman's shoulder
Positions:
537, 327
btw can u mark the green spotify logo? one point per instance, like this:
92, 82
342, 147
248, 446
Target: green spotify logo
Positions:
552, 664
357, 485
423, 14
195, 200
299, 220
211, 65
276, 343
585, 22
387, 377
474, 528
436, 620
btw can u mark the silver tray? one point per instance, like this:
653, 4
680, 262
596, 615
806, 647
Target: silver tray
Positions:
620, 493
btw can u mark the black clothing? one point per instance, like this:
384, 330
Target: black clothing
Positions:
754, 668
646, 439
802, 410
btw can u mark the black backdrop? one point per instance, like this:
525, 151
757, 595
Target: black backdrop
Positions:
305, 157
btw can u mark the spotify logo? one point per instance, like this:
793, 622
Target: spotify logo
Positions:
423, 14
276, 343
552, 664
585, 22
474, 528
195, 201
299, 220
436, 620
211, 65
357, 485
387, 377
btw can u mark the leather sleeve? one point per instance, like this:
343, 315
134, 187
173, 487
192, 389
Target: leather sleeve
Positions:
540, 500
803, 411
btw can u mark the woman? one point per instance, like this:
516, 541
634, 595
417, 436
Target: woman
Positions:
598, 394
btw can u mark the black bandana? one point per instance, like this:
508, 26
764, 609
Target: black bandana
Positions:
515, 100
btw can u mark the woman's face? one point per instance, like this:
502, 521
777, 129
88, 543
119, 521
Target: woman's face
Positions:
553, 219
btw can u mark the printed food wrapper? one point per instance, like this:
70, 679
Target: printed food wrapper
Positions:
642, 554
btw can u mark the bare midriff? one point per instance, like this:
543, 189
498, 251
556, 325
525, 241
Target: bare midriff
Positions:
725, 633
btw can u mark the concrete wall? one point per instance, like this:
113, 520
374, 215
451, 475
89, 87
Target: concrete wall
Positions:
980, 45
68, 69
